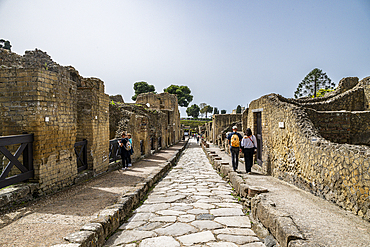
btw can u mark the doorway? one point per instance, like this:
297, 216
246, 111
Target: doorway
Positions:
258, 128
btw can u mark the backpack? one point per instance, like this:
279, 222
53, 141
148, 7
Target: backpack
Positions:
128, 146
235, 140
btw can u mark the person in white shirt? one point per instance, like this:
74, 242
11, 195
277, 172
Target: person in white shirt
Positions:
249, 145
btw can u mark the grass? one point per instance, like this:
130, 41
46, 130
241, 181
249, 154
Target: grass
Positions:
193, 123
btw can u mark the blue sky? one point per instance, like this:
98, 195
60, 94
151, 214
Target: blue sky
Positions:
227, 52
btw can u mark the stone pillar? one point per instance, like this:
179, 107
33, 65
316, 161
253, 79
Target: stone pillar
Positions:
93, 122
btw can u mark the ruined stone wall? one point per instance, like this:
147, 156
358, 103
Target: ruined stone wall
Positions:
222, 121
43, 103
365, 83
93, 122
41, 97
208, 134
342, 126
298, 154
349, 96
147, 126
168, 103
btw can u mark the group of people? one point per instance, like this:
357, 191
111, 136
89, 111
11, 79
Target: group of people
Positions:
196, 136
247, 144
237, 142
125, 144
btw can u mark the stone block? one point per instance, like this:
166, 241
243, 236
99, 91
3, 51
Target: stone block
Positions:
67, 245
98, 229
286, 230
225, 169
84, 238
243, 190
104, 220
255, 190
235, 180
301, 243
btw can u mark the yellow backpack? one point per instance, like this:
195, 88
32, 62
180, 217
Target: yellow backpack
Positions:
235, 141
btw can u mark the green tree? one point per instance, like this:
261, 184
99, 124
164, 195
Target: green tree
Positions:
322, 92
201, 107
142, 87
206, 109
312, 83
193, 111
238, 109
209, 109
223, 111
5, 44
182, 92
216, 111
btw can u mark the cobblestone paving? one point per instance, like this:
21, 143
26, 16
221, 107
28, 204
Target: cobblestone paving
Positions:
191, 206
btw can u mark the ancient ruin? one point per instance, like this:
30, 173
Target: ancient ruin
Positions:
320, 145
154, 122
71, 121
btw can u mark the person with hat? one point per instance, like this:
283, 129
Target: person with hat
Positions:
234, 139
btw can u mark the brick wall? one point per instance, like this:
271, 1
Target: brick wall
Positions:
42, 102
59, 107
93, 122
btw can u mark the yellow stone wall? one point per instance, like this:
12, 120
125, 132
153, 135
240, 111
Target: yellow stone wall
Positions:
93, 122
58, 111
42, 102
298, 154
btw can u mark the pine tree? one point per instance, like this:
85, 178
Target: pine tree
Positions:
312, 83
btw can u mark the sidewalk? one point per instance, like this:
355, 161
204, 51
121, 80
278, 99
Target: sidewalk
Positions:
296, 217
47, 221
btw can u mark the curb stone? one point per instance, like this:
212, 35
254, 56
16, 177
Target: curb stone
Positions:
93, 234
283, 228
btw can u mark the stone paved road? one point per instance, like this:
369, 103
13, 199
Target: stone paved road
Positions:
191, 206
46, 221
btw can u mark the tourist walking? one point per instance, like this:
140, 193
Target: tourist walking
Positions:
249, 147
124, 150
234, 142
131, 151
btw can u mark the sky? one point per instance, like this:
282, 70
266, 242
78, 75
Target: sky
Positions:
228, 52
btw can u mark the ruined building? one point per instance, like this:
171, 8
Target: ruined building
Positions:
59, 107
320, 145
153, 121
69, 122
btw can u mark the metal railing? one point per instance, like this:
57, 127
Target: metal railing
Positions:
25, 166
114, 151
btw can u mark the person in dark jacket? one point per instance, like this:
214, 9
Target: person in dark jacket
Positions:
125, 154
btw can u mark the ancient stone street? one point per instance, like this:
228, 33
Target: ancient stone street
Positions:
191, 206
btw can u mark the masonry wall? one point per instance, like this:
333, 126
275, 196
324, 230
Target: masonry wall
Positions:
349, 96
299, 155
42, 102
145, 125
167, 103
222, 121
342, 126
93, 122
59, 107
